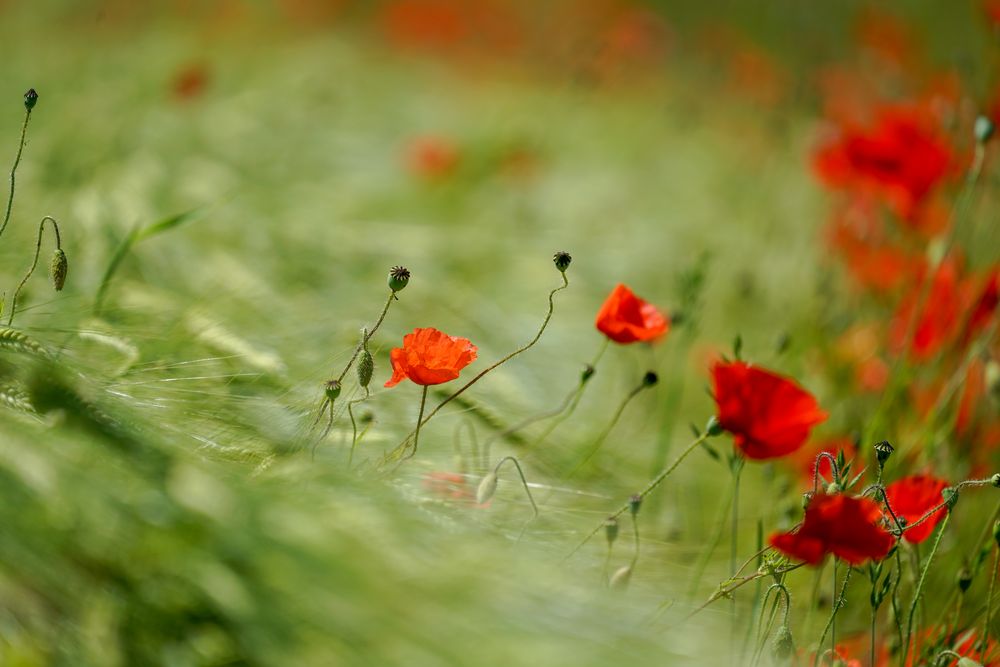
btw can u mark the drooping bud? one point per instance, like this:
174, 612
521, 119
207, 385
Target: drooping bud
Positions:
58, 269
650, 379
487, 487
964, 579
332, 390
611, 530
713, 427
30, 99
366, 366
634, 503
399, 277
619, 580
984, 129
783, 646
883, 450
562, 260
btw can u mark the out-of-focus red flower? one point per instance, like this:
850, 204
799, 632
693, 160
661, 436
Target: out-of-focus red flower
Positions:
448, 485
967, 645
941, 317
886, 36
992, 10
874, 261
805, 458
859, 348
901, 158
190, 81
768, 415
625, 318
845, 526
911, 498
973, 390
483, 27
429, 356
432, 158
985, 306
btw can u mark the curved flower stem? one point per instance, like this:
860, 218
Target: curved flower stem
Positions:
762, 628
736, 465
837, 604
599, 441
354, 424
520, 473
725, 591
13, 170
34, 262
920, 587
401, 447
655, 482
576, 396
961, 485
416, 432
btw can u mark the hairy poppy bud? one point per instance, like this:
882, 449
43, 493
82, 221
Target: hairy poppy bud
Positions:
487, 487
806, 499
650, 379
399, 278
562, 260
58, 269
984, 129
611, 529
883, 450
332, 390
964, 579
366, 366
619, 580
588, 372
995, 479
783, 645
634, 503
833, 489
30, 99
713, 427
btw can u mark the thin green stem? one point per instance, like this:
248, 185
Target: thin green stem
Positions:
837, 604
737, 468
920, 587
578, 394
520, 472
34, 263
599, 441
416, 434
354, 424
13, 170
989, 607
655, 482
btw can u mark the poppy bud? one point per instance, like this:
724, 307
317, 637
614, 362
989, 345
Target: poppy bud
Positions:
650, 379
30, 99
58, 269
883, 450
806, 499
984, 129
950, 495
588, 372
992, 377
833, 489
619, 580
399, 278
366, 366
783, 645
562, 260
964, 579
487, 488
611, 529
634, 503
332, 390
995, 479
713, 427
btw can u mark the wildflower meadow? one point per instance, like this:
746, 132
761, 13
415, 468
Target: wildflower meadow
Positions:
441, 332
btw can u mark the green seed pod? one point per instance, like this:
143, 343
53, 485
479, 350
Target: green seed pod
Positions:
619, 580
399, 278
984, 129
995, 479
487, 488
783, 645
713, 427
332, 390
964, 579
650, 379
58, 269
634, 503
30, 99
562, 260
366, 366
588, 372
611, 530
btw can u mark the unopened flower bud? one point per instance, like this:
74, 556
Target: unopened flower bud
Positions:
968, 662
964, 579
833, 489
366, 366
713, 427
58, 268
332, 390
30, 99
562, 260
650, 379
634, 503
619, 580
611, 529
399, 278
806, 499
883, 450
487, 487
783, 645
588, 372
995, 479
984, 129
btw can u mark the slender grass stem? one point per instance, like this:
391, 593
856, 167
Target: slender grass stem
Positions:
13, 171
416, 433
34, 263
838, 602
920, 587
989, 607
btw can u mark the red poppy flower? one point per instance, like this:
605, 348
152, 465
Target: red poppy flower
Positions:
842, 525
768, 415
901, 159
429, 356
625, 318
911, 498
